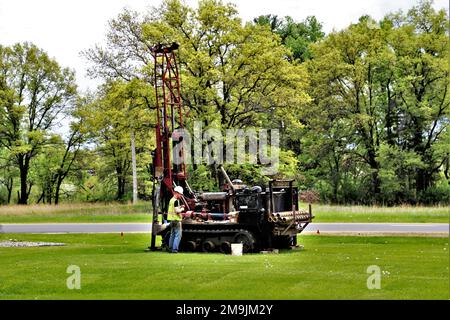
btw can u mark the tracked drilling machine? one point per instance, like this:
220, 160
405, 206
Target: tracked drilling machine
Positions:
259, 218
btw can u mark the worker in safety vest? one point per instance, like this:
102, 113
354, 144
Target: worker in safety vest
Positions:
174, 215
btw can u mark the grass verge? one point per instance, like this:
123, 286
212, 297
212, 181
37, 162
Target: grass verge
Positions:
78, 212
404, 214
115, 212
330, 267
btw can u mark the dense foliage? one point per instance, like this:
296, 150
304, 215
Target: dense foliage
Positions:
363, 113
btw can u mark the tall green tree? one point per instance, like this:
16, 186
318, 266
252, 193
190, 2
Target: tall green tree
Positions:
234, 75
384, 88
70, 153
35, 91
421, 101
297, 36
116, 116
8, 174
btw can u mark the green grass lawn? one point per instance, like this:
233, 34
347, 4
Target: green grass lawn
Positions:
116, 212
330, 267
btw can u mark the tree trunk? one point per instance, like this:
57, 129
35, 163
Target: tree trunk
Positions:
375, 167
133, 161
424, 176
372, 162
423, 180
120, 184
9, 187
41, 198
23, 167
58, 188
389, 118
49, 192
446, 168
122, 188
335, 178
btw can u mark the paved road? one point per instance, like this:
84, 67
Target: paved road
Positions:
146, 227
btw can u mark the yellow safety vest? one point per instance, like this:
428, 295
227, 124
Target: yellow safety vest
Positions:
172, 216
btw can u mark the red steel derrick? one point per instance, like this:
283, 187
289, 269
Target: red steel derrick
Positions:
169, 116
169, 113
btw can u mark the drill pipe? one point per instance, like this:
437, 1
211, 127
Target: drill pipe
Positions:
286, 218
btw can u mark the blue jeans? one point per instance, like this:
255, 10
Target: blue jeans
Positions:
175, 236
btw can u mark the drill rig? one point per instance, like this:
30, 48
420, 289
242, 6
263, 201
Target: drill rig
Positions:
259, 218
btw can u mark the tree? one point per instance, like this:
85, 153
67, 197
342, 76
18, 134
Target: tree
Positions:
70, 155
384, 87
235, 71
8, 173
297, 36
419, 40
270, 20
59, 158
35, 92
127, 54
233, 75
117, 114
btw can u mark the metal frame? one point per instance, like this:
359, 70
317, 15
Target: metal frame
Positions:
169, 114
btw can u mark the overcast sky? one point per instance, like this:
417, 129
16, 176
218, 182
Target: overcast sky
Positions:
65, 27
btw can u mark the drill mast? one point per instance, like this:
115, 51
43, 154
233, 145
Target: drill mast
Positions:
169, 117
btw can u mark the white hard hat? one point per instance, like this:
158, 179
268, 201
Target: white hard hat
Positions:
178, 189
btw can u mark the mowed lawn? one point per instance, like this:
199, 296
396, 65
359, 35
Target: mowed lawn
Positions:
116, 212
330, 267
76, 212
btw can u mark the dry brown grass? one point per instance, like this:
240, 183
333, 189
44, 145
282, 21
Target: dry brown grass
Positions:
72, 208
